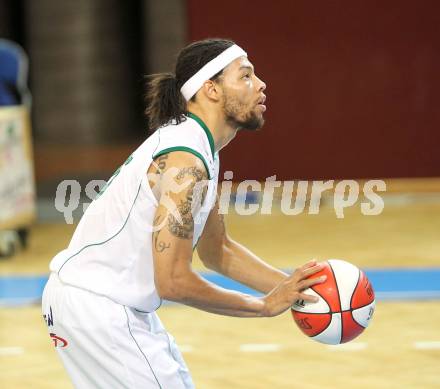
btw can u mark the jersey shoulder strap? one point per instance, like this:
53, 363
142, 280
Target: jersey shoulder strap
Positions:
192, 136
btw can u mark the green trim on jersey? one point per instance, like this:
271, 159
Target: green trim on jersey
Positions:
206, 129
187, 149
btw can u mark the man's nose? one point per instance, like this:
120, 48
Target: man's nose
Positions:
262, 85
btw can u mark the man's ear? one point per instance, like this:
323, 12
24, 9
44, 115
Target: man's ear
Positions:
212, 90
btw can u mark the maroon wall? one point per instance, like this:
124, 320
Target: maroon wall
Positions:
353, 87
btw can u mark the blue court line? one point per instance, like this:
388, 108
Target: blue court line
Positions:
19, 290
388, 284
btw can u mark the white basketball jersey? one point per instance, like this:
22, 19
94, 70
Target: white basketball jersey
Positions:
111, 250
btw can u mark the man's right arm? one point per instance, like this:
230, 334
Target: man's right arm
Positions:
180, 176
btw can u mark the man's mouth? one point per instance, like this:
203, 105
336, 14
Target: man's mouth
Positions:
261, 102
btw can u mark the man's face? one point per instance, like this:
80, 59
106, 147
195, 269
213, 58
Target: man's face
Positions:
243, 97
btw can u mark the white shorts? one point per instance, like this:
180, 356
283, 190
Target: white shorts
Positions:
105, 345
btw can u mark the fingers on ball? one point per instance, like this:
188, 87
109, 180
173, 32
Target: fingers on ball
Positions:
312, 270
309, 264
308, 298
307, 283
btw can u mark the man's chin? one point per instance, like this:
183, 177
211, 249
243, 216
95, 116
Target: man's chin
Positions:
253, 123
256, 125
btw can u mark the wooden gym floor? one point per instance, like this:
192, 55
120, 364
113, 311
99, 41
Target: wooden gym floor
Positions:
225, 352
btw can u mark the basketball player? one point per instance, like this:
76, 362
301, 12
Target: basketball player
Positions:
133, 246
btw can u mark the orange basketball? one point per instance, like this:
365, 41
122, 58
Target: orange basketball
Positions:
345, 307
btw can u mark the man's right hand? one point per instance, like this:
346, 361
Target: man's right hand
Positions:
291, 289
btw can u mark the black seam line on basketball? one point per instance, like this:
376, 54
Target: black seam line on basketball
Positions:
339, 298
316, 313
328, 325
320, 295
329, 310
355, 309
351, 314
362, 306
137, 344
326, 313
188, 150
357, 283
107, 240
351, 299
319, 313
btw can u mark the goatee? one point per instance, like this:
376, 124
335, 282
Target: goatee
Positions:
252, 123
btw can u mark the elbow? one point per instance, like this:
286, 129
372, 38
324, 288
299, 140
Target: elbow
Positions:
169, 292
217, 259
211, 261
171, 288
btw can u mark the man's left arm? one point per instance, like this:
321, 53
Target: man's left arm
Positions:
224, 255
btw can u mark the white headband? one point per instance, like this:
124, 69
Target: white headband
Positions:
190, 88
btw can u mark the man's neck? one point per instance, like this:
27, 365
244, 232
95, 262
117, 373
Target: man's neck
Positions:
221, 131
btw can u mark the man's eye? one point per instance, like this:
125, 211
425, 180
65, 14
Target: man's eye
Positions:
247, 76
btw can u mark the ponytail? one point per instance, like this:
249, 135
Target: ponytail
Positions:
164, 102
